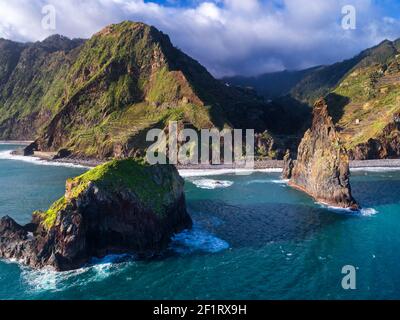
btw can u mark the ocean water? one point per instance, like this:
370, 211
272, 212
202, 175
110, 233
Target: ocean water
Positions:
254, 238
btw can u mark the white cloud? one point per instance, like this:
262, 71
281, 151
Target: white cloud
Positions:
227, 36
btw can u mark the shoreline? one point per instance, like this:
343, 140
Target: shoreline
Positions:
258, 165
379, 163
18, 142
267, 165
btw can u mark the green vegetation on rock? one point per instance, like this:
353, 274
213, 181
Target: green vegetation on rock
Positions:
150, 184
362, 95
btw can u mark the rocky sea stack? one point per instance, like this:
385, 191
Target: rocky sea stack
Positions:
322, 166
120, 207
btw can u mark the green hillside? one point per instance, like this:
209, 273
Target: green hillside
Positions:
98, 98
31, 81
363, 97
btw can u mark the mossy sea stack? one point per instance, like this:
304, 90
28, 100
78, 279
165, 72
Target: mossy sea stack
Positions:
120, 207
322, 166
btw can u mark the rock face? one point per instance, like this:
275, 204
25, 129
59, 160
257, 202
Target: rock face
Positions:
269, 146
322, 166
385, 146
120, 207
288, 166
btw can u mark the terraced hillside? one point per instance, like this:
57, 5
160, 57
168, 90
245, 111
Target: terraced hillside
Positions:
366, 107
363, 94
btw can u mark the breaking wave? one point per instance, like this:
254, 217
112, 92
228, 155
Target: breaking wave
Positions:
364, 212
7, 155
368, 212
186, 173
98, 270
212, 184
197, 240
261, 181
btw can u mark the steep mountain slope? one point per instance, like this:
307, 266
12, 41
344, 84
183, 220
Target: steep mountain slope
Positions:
99, 99
366, 108
31, 80
129, 78
307, 86
363, 97
320, 82
271, 85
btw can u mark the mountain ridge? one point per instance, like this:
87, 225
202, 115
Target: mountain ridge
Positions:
361, 94
100, 97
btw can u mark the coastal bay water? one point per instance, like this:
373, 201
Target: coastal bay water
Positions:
254, 238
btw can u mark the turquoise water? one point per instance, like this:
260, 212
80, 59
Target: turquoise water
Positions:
254, 238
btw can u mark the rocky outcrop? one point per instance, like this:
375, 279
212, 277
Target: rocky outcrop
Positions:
288, 165
266, 145
120, 207
322, 166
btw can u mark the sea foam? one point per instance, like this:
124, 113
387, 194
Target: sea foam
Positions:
262, 181
197, 240
186, 173
364, 212
7, 155
212, 184
96, 271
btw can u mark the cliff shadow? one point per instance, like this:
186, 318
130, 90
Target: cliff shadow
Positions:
288, 116
336, 104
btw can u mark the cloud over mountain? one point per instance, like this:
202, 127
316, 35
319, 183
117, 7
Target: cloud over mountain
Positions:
227, 36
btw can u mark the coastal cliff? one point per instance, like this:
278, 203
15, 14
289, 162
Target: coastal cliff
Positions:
322, 166
120, 207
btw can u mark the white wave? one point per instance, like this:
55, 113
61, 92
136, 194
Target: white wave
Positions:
261, 181
190, 241
375, 169
216, 172
7, 155
368, 212
365, 212
281, 181
337, 209
49, 280
212, 184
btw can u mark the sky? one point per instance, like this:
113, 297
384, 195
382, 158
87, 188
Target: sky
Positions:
229, 37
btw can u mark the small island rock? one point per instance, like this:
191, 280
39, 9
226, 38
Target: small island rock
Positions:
120, 207
322, 166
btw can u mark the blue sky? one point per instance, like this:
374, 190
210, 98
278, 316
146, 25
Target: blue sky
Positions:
227, 36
